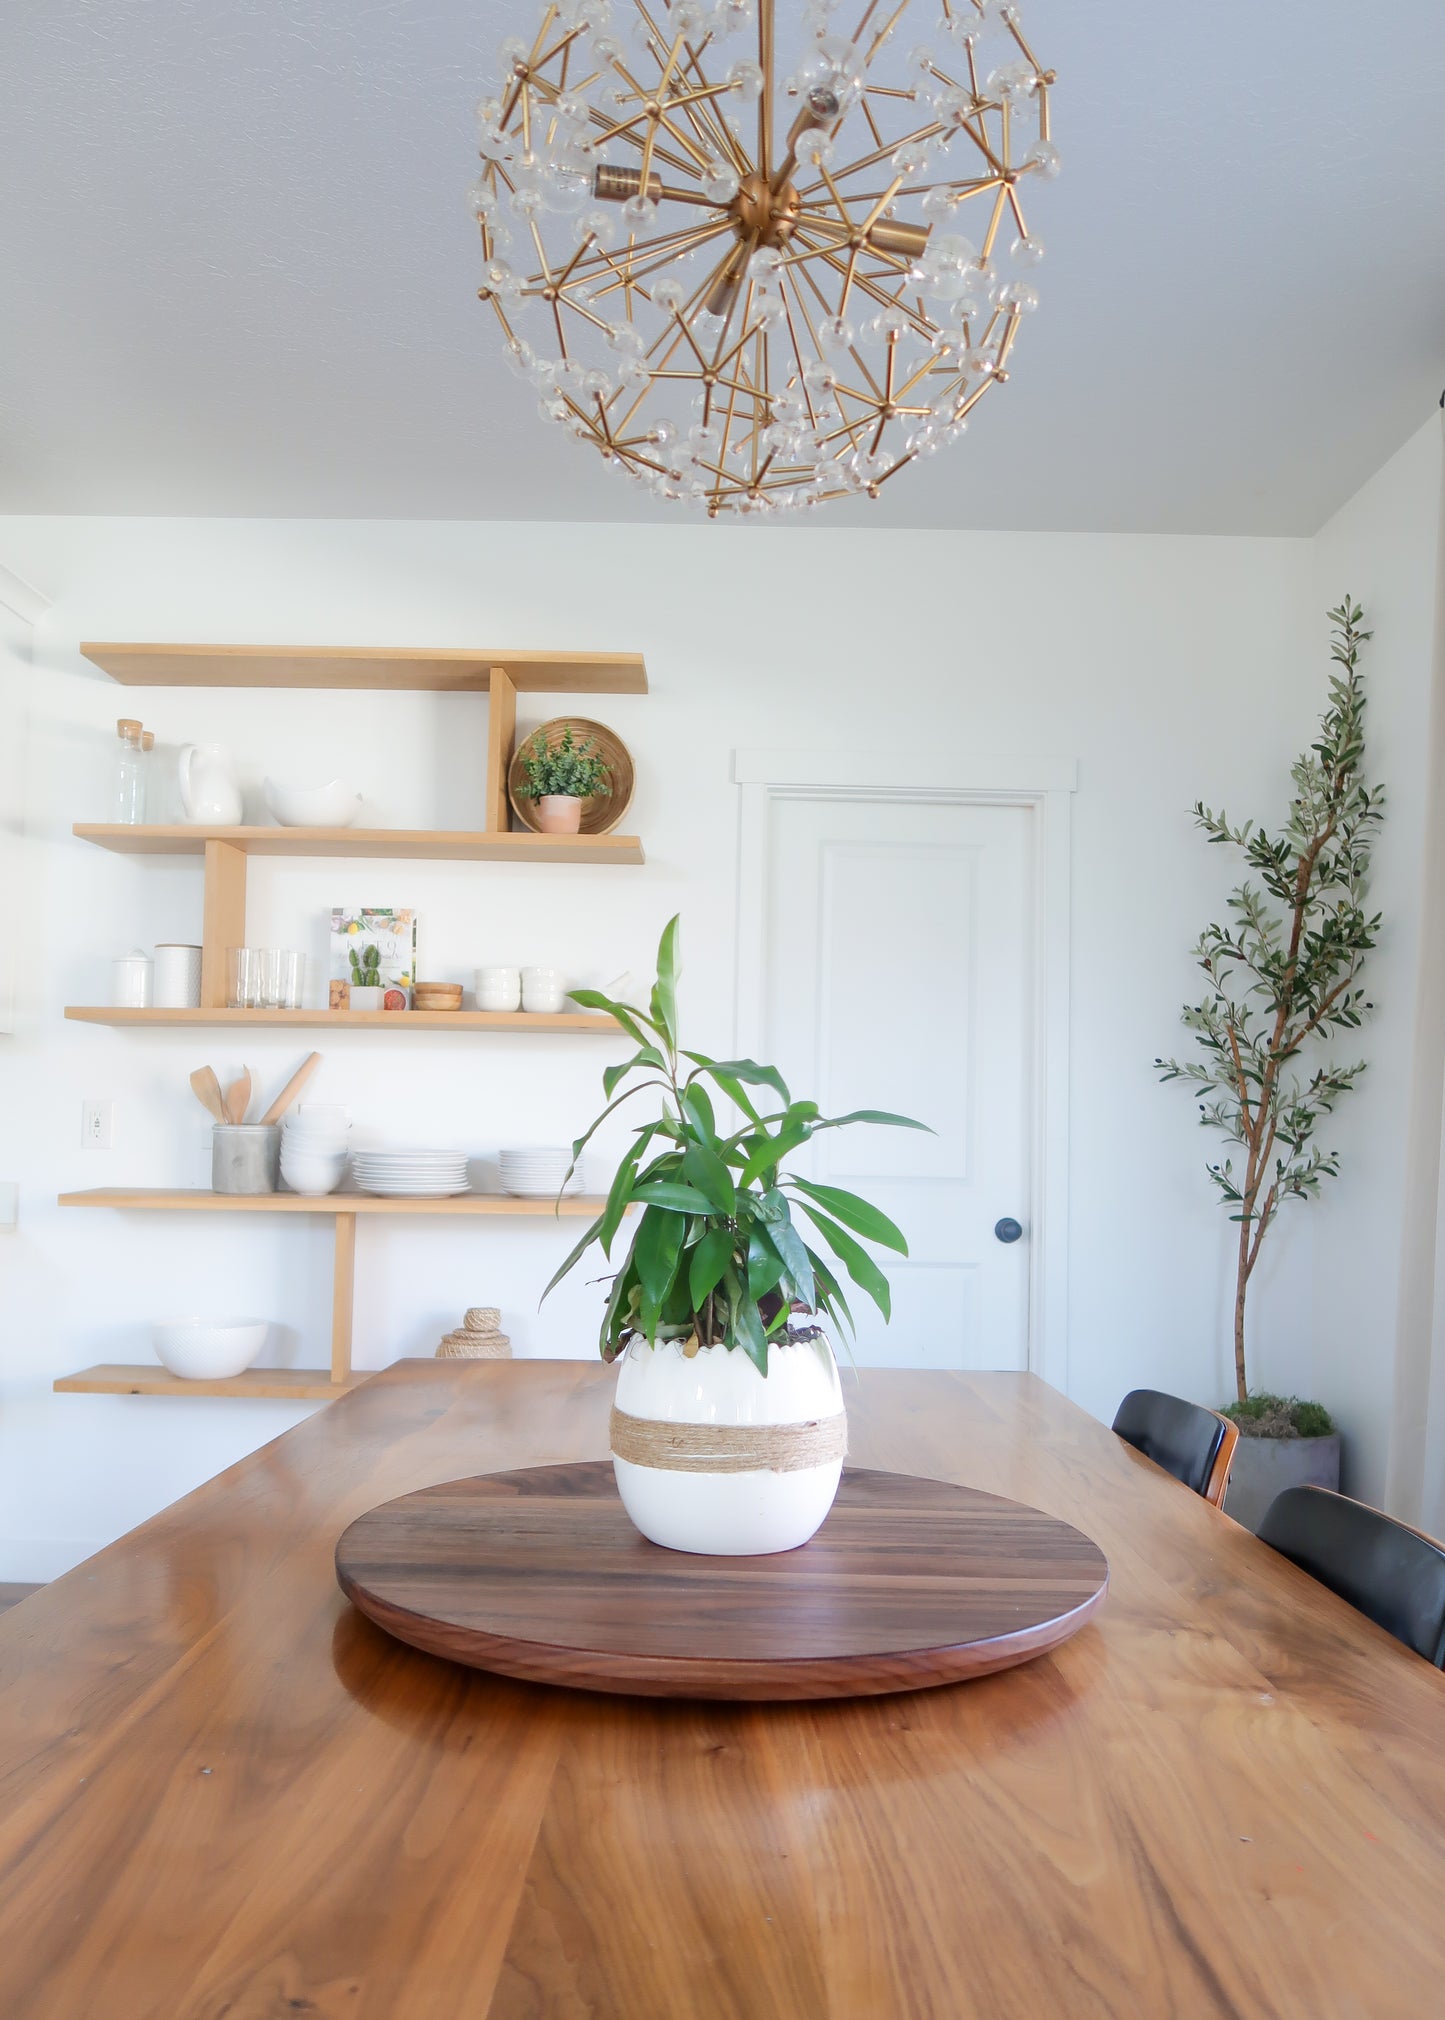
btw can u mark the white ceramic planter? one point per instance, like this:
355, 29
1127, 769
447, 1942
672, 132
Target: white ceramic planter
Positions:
730, 1514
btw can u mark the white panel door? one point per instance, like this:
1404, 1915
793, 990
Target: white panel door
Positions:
899, 976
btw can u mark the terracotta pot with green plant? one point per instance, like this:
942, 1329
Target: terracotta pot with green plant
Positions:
559, 777
1284, 977
728, 1430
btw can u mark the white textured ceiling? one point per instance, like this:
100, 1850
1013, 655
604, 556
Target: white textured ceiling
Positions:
237, 273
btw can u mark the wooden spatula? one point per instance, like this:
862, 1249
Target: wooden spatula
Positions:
292, 1089
238, 1097
207, 1090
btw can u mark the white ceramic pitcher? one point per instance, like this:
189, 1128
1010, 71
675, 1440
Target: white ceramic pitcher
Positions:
210, 790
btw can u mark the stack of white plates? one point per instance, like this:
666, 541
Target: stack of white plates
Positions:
537, 1174
411, 1174
313, 1147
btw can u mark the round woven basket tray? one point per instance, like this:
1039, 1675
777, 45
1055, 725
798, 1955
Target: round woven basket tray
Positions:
599, 816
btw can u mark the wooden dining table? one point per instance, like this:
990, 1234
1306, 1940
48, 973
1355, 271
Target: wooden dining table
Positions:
224, 1795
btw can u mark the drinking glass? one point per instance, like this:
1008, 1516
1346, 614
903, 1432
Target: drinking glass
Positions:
243, 978
281, 975
291, 979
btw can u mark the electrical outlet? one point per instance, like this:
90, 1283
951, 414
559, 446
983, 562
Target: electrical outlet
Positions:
96, 1121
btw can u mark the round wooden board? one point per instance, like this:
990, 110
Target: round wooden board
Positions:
539, 1574
599, 816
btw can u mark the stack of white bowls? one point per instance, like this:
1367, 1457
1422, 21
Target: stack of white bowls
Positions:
314, 1147
538, 1174
411, 1174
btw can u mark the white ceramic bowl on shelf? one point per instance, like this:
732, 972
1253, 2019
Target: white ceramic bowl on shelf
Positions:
324, 1140
334, 805
209, 1350
537, 1174
314, 1148
313, 1175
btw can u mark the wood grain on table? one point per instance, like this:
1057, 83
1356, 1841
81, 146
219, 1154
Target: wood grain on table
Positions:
224, 1793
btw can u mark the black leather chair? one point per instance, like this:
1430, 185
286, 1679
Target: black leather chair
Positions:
1194, 1444
1393, 1574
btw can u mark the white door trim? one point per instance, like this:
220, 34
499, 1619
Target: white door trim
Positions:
1045, 788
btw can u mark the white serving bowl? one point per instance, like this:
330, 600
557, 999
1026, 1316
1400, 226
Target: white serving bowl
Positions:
313, 1172
333, 805
209, 1350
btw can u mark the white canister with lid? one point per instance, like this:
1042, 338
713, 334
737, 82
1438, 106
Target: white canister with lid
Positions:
177, 976
130, 981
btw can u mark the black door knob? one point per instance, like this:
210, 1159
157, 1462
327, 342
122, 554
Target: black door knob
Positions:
1008, 1230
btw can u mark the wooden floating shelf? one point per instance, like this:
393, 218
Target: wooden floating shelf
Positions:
560, 1022
295, 1385
439, 845
171, 1199
224, 852
290, 1385
446, 672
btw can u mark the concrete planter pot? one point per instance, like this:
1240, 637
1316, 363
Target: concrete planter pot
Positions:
1264, 1467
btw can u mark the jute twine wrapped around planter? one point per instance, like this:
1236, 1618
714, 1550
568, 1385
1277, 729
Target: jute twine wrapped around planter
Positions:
728, 1448
478, 1339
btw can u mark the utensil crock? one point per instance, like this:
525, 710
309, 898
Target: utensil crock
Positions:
245, 1157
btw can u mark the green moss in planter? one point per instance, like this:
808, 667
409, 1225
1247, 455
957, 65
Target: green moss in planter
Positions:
1264, 1416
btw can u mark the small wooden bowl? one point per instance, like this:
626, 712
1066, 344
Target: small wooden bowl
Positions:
599, 816
437, 996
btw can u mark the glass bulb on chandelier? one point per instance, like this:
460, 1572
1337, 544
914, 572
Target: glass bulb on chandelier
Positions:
756, 279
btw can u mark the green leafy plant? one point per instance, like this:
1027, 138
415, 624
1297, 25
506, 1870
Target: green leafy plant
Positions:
717, 1258
366, 972
1266, 1416
1284, 973
568, 768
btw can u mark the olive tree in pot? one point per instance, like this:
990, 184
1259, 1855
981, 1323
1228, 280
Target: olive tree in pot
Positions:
1283, 978
728, 1429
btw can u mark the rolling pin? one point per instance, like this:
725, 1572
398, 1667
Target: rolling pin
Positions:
290, 1091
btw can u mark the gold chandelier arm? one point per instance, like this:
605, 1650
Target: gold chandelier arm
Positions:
765, 96
880, 153
900, 242
657, 114
868, 287
820, 109
868, 12
616, 185
635, 275
884, 32
718, 134
612, 129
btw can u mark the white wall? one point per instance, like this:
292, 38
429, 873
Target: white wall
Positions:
1382, 548
1170, 668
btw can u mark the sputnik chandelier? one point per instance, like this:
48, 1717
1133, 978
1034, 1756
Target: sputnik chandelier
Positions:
751, 286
